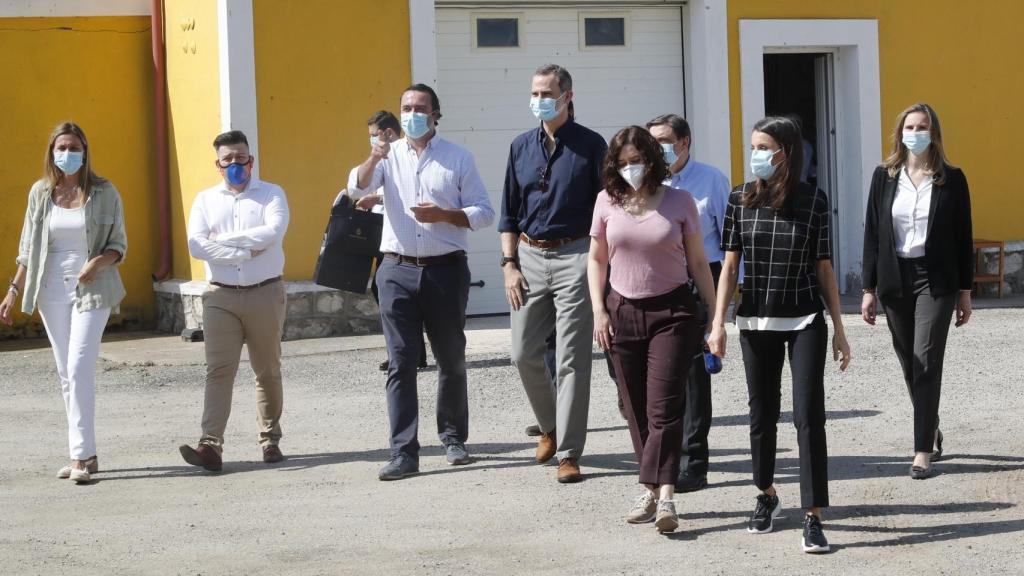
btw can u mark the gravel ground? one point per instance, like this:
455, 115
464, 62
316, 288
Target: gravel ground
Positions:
323, 511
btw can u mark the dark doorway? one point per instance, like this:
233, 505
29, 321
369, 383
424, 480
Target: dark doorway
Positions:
802, 85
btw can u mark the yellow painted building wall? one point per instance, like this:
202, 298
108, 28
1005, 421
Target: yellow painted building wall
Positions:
322, 68
193, 115
960, 57
97, 72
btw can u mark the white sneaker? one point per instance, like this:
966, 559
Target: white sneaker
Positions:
64, 472
643, 509
667, 520
79, 475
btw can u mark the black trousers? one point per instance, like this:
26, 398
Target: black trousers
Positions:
697, 405
764, 352
919, 323
412, 299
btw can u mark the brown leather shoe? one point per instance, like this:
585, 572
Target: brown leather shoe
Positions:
272, 454
569, 471
546, 447
204, 456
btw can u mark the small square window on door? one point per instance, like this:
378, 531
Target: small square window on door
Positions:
496, 31
604, 30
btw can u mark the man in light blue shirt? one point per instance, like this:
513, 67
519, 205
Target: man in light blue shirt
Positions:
710, 188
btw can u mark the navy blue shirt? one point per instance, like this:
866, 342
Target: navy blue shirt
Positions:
552, 198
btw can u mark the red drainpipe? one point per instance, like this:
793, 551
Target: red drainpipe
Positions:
163, 192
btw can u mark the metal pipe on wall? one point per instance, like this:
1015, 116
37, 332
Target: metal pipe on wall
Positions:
163, 193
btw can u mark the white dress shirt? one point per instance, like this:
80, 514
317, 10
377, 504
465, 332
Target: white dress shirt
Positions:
445, 174
910, 215
353, 185
255, 219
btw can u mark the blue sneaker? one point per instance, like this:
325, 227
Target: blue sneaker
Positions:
457, 453
400, 466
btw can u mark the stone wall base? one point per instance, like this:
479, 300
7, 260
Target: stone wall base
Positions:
313, 311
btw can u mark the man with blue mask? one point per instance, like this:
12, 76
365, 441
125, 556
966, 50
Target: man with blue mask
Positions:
432, 196
553, 177
710, 188
382, 126
237, 229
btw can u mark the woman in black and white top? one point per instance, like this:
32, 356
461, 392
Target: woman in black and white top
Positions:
918, 251
780, 226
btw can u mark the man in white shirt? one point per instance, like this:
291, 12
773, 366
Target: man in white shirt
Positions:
433, 195
710, 188
237, 228
382, 126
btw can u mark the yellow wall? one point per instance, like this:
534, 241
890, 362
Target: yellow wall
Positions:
193, 114
960, 57
97, 72
322, 68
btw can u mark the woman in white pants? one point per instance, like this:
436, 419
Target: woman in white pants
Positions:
72, 237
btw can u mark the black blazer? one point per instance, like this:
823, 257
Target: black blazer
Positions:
949, 247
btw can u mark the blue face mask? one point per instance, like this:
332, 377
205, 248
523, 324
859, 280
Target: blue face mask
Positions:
761, 163
236, 174
670, 153
374, 140
545, 109
67, 161
415, 124
917, 142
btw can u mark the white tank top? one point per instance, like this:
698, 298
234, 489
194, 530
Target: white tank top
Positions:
67, 229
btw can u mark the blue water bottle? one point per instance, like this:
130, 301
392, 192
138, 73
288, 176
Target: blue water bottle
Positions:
712, 363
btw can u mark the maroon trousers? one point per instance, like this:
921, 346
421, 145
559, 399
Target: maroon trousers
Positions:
654, 343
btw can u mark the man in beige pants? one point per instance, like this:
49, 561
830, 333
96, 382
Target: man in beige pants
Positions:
237, 228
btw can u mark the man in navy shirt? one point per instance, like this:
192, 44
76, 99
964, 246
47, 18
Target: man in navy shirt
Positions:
551, 184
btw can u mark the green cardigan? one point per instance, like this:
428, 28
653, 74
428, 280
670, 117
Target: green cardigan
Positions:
104, 230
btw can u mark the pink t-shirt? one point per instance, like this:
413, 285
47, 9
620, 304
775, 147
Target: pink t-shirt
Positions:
646, 254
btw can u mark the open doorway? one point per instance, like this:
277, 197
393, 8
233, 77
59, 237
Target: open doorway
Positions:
802, 86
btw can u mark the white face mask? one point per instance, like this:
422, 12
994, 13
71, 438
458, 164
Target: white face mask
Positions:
917, 142
633, 174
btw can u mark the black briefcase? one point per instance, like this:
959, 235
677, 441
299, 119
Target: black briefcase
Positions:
351, 243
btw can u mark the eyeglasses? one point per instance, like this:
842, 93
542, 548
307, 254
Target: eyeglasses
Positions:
544, 175
225, 162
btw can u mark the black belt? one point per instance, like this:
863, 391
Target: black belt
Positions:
421, 261
233, 287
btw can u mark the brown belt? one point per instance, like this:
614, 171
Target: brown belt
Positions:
421, 261
233, 287
548, 244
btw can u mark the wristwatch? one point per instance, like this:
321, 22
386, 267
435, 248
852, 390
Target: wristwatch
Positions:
506, 259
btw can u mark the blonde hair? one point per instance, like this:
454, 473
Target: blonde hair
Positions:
52, 175
935, 157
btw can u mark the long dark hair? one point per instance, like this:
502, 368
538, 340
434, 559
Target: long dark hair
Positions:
775, 191
657, 170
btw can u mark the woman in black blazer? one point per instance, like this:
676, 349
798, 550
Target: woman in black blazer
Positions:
918, 251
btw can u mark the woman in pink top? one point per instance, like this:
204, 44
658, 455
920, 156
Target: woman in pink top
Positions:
649, 234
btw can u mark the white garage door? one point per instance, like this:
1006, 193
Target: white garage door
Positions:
626, 64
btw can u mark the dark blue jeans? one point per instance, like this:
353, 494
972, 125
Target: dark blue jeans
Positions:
414, 298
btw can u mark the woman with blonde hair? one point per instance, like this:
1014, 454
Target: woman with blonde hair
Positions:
72, 237
918, 251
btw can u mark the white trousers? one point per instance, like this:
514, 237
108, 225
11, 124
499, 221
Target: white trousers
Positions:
75, 338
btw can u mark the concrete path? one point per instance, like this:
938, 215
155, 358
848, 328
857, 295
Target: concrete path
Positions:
323, 511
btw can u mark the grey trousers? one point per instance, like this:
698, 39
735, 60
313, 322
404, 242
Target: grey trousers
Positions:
919, 323
557, 299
